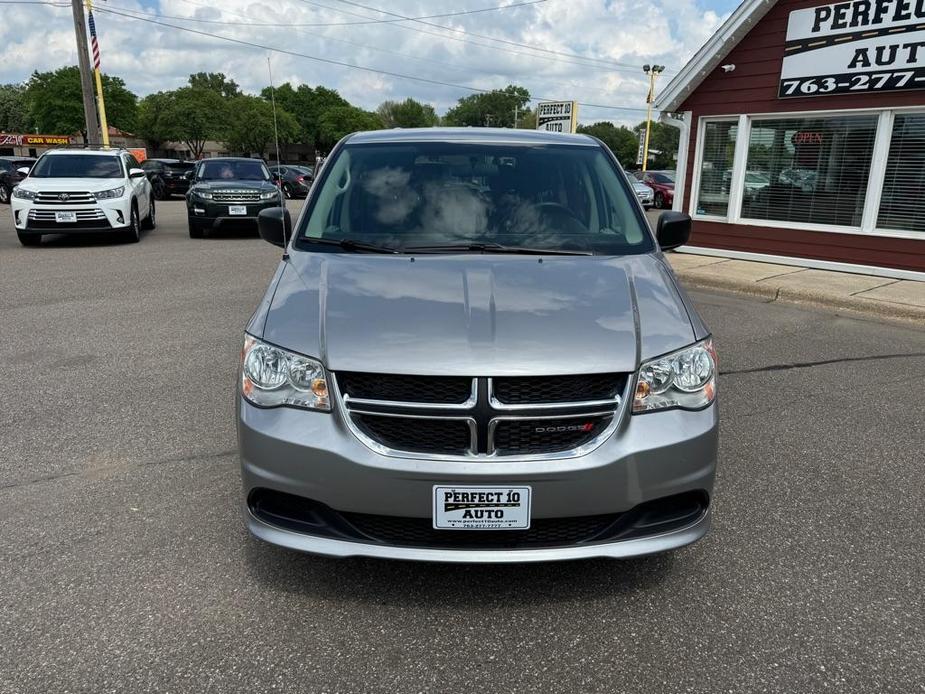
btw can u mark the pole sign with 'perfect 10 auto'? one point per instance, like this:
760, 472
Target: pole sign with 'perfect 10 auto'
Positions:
558, 116
855, 47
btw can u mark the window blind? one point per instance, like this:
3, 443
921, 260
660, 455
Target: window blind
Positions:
904, 183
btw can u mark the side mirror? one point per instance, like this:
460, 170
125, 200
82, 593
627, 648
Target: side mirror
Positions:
673, 231
189, 175
275, 225
23, 170
136, 173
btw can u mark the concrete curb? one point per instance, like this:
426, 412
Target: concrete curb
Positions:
713, 277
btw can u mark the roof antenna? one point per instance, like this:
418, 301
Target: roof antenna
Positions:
276, 140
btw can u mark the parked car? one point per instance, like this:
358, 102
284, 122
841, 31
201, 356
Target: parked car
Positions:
10, 175
168, 176
79, 191
643, 192
293, 180
662, 184
474, 350
228, 192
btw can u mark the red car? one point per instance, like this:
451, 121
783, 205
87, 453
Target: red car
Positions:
662, 182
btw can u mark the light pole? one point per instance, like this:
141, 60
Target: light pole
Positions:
653, 71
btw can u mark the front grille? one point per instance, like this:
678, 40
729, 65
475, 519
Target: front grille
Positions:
538, 436
313, 518
236, 195
481, 418
536, 390
417, 435
418, 389
49, 215
64, 198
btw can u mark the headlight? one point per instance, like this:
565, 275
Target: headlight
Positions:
24, 193
206, 195
274, 377
107, 194
685, 380
269, 194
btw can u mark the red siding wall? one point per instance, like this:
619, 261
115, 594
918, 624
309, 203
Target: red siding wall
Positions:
752, 88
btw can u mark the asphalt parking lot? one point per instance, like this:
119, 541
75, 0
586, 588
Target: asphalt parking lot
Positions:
126, 567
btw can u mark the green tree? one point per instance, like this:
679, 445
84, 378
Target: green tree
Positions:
250, 125
309, 106
54, 102
216, 82
14, 116
153, 123
407, 114
664, 141
193, 116
495, 108
340, 121
622, 141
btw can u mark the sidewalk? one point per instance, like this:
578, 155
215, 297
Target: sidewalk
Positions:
878, 297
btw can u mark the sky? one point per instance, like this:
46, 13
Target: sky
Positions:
589, 51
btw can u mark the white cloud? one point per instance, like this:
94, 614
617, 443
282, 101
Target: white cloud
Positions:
151, 58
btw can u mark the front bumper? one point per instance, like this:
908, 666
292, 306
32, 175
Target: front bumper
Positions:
211, 215
315, 456
99, 217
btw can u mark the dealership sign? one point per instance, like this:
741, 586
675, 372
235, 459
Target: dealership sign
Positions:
855, 47
558, 116
13, 140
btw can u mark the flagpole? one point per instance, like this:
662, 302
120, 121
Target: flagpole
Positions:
95, 46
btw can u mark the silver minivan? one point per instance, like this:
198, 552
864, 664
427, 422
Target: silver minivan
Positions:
474, 350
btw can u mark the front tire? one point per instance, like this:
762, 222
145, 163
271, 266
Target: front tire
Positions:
4, 194
195, 231
150, 222
659, 201
287, 191
29, 239
133, 233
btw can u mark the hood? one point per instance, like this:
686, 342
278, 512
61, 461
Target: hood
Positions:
91, 185
232, 184
484, 315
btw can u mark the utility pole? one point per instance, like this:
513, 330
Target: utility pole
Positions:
86, 82
516, 114
653, 71
487, 120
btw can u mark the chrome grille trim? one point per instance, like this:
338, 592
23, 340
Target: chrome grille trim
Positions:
351, 403
498, 405
64, 197
49, 215
236, 196
614, 409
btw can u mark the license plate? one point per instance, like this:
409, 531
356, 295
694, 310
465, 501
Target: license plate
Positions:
482, 508
63, 217
237, 210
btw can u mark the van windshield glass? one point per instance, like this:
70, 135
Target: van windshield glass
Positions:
77, 166
487, 197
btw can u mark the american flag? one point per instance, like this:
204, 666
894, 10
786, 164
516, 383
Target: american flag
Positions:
94, 44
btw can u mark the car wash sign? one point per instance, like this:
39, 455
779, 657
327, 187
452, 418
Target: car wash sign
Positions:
855, 47
558, 116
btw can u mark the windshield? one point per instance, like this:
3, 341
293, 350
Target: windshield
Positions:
180, 166
77, 166
662, 178
409, 195
248, 170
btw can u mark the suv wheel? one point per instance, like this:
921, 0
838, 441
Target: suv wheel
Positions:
29, 239
150, 222
4, 193
287, 191
195, 230
133, 233
659, 201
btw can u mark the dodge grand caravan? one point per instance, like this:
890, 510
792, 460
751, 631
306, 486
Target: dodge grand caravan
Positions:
473, 350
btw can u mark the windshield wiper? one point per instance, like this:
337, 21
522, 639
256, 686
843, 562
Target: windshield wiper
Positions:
351, 245
491, 248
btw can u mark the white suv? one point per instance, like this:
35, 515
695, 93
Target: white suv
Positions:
78, 191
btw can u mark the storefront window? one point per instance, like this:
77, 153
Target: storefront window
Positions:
904, 184
719, 144
809, 170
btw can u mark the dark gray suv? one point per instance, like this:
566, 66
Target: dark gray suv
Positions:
474, 350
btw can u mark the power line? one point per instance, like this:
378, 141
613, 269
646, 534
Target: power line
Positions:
317, 24
331, 61
444, 37
608, 63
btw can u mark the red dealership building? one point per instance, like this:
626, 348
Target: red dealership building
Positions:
803, 135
